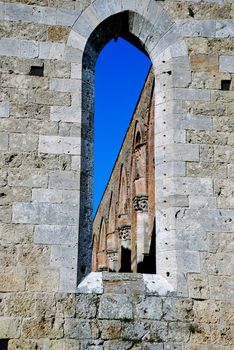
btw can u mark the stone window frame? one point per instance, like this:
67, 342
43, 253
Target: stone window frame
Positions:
160, 36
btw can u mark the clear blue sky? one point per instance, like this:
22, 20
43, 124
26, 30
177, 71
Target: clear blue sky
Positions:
120, 74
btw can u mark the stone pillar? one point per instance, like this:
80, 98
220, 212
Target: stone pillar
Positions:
140, 204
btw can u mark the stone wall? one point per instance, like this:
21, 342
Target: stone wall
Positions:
46, 132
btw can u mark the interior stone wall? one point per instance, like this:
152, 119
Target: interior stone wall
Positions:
42, 131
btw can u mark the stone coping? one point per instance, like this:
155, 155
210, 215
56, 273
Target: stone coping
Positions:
125, 283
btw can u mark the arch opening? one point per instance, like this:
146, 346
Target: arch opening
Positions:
123, 257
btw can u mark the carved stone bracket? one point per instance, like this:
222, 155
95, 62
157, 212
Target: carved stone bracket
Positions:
140, 203
125, 232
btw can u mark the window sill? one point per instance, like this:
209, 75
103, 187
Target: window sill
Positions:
125, 283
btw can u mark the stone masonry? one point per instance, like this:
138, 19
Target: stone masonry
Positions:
48, 51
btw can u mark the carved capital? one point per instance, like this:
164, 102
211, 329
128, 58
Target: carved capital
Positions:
125, 232
140, 203
112, 256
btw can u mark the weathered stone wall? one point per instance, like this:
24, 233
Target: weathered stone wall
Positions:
191, 47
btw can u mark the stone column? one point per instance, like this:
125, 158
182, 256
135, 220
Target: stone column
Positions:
140, 204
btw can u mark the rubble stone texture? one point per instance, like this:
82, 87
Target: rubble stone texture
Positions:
48, 51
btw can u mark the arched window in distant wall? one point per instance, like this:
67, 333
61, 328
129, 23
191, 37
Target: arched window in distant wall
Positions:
112, 239
123, 191
102, 259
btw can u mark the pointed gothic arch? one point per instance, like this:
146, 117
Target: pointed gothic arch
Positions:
123, 191
148, 26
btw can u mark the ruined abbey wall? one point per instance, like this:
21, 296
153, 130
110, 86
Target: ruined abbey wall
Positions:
48, 50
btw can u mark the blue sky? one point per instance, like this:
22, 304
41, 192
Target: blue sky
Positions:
121, 70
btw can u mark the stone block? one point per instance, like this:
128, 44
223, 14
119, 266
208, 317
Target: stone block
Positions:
135, 330
217, 264
170, 136
64, 344
220, 242
9, 327
51, 51
199, 202
45, 305
44, 15
63, 256
169, 38
59, 145
170, 169
80, 329
12, 279
221, 288
207, 169
29, 177
86, 306
65, 85
4, 109
204, 63
28, 344
47, 195
40, 327
206, 219
115, 306
187, 240
110, 329
23, 143
65, 305
118, 345
68, 279
149, 308
66, 17
177, 152
226, 64
10, 233
185, 186
42, 280
206, 153
197, 28
18, 12
224, 28
9, 47
19, 304
207, 137
180, 309
4, 140
76, 70
45, 214
71, 197
64, 180
51, 234
191, 94
76, 40
29, 255
66, 114
29, 49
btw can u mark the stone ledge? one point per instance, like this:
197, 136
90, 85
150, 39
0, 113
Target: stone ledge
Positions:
125, 283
